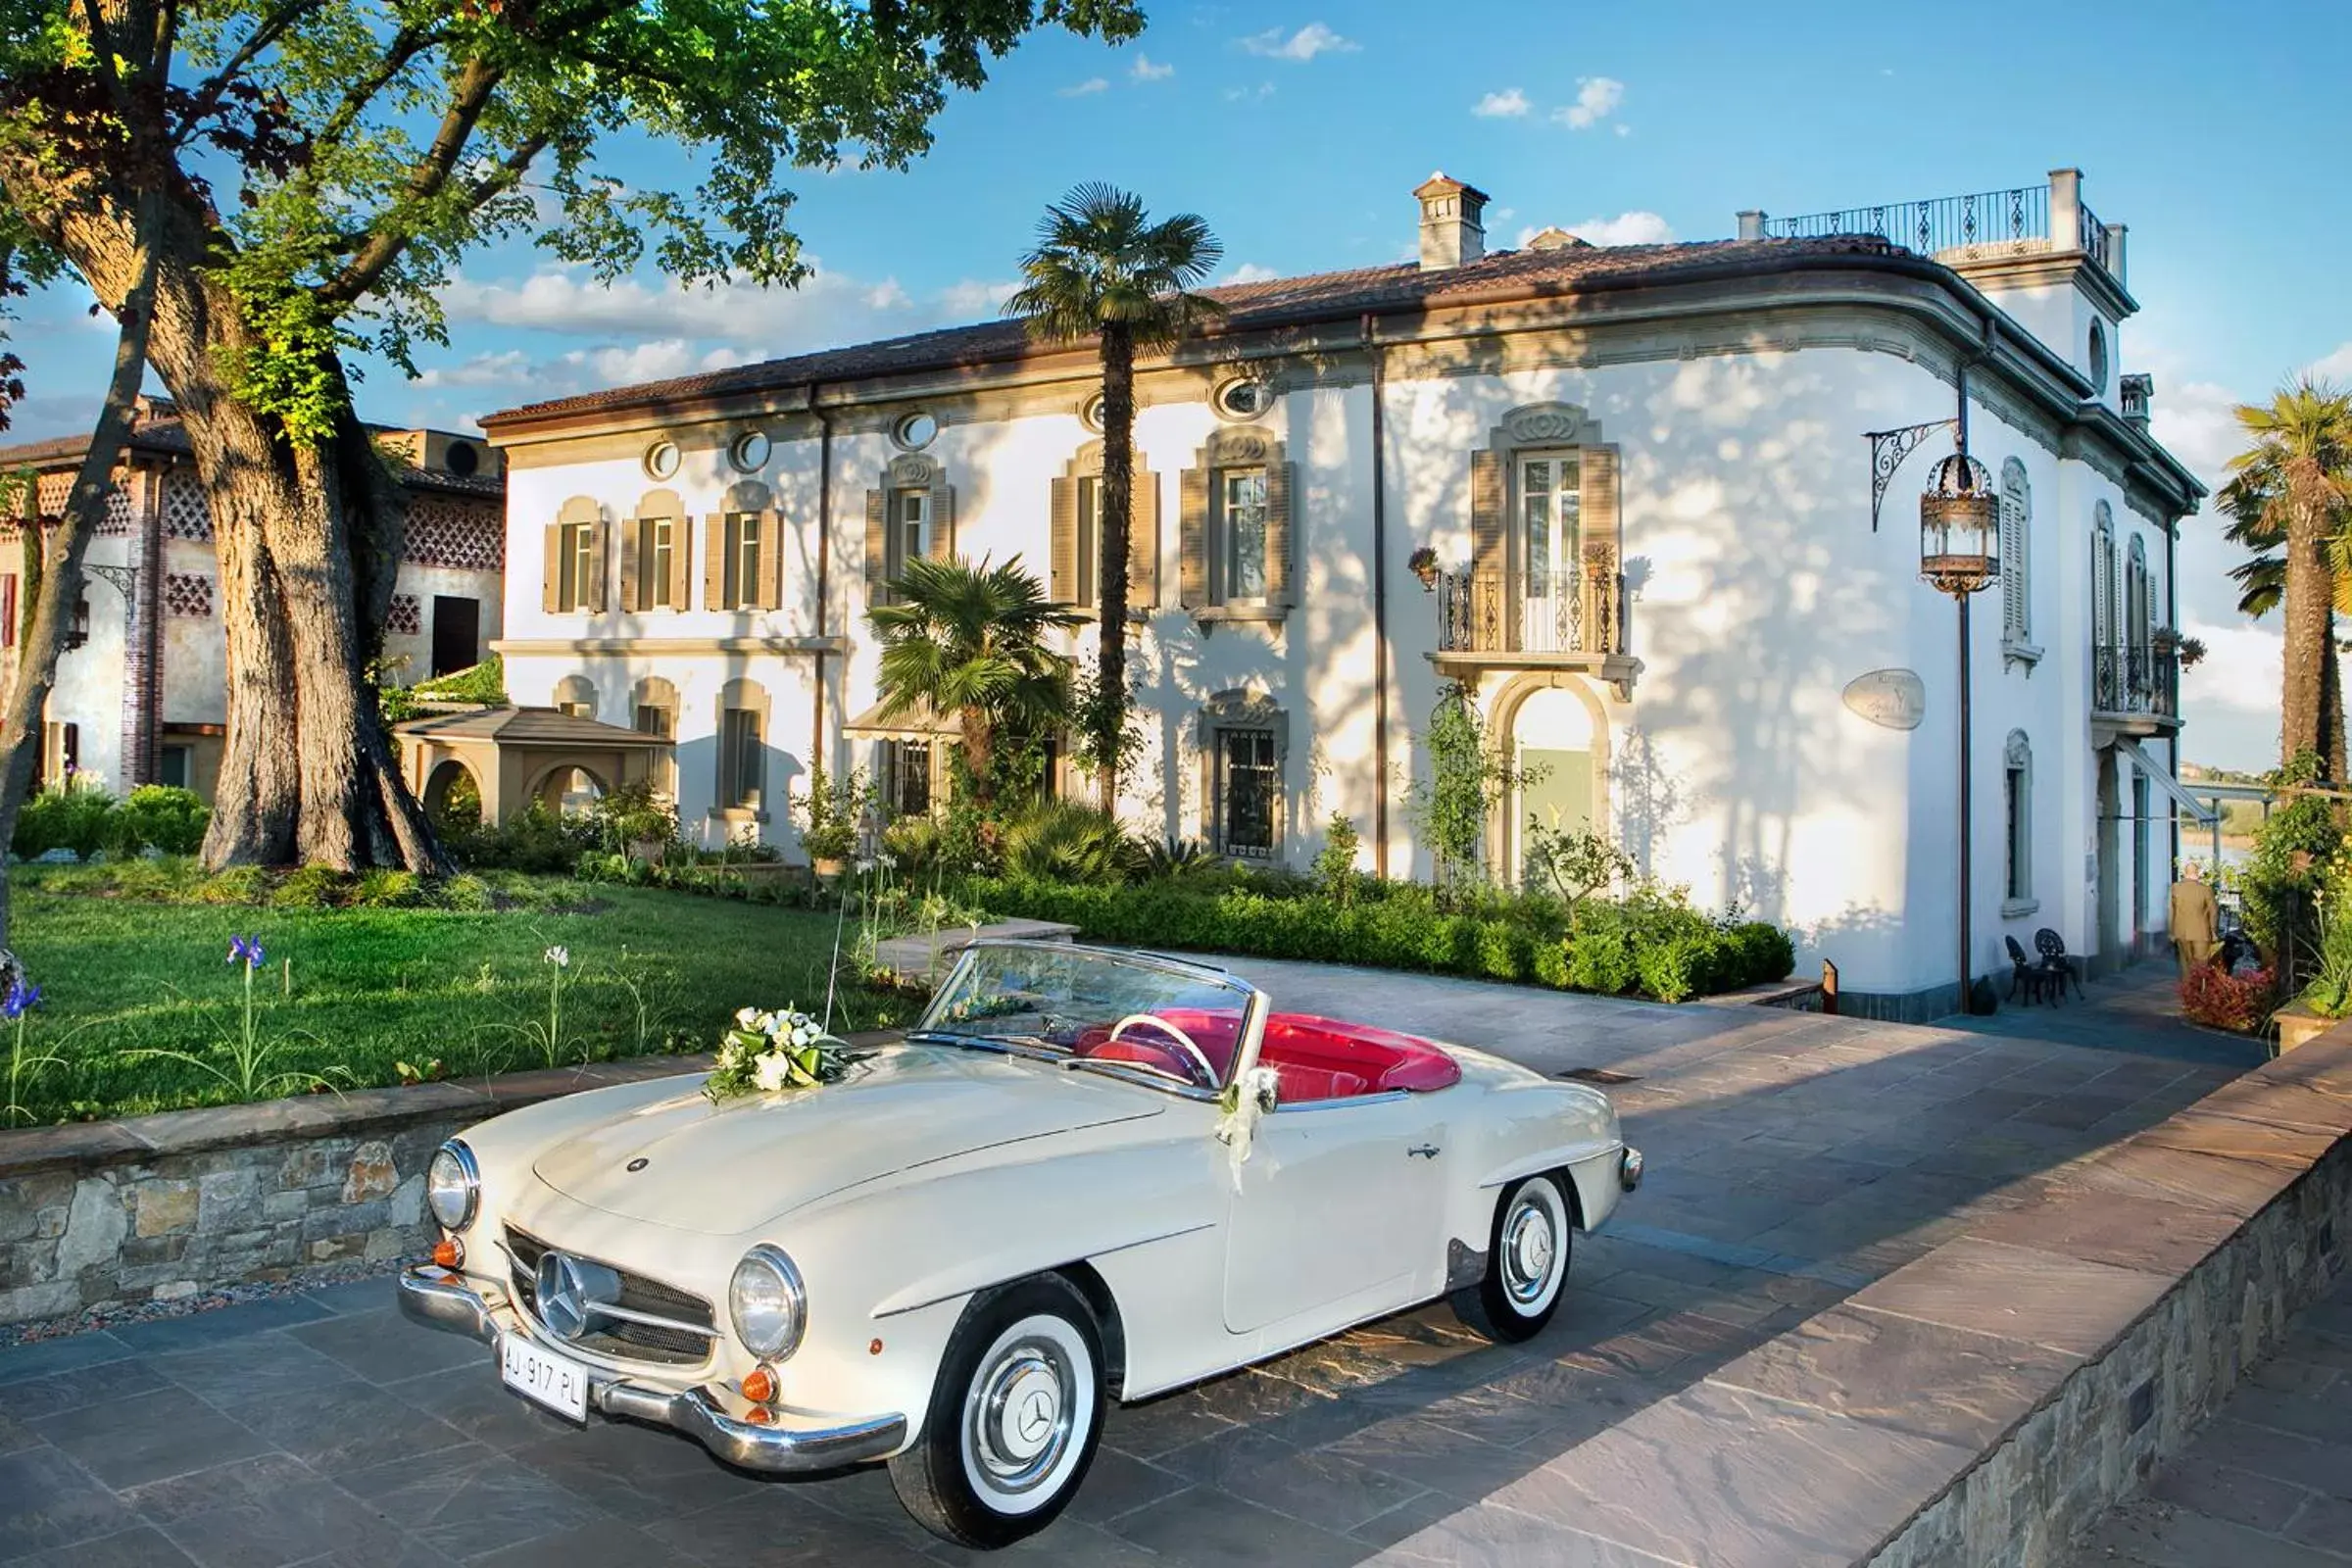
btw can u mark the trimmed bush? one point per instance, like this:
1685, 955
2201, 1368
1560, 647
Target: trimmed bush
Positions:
1062, 841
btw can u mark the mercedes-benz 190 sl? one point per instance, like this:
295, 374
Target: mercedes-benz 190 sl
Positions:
1083, 1176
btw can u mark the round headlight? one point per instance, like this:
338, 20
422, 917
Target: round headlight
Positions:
767, 1303
453, 1186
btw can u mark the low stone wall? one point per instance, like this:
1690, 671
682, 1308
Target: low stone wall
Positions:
153, 1208
2273, 1147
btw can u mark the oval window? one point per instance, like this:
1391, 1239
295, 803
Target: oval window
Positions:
915, 431
1090, 413
463, 458
1244, 400
749, 452
2098, 357
661, 460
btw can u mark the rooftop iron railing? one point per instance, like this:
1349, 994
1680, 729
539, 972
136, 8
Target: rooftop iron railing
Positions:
1973, 228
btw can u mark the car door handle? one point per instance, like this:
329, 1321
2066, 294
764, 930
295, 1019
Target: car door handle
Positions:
1424, 1150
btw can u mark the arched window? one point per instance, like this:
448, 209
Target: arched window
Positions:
2138, 598
742, 746
654, 710
576, 695
2017, 524
2017, 795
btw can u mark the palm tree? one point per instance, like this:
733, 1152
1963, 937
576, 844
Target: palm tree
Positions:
971, 641
2292, 489
1103, 269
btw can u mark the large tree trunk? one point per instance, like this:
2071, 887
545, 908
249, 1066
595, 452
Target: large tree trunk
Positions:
2308, 688
52, 573
1110, 596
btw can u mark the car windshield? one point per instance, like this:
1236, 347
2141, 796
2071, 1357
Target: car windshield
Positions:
1139, 1016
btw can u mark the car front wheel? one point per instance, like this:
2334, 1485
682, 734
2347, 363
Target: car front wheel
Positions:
1527, 1262
1015, 1419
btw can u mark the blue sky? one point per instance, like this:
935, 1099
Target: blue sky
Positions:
1298, 133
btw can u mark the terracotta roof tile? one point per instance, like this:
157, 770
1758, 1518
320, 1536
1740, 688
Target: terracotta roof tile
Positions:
1271, 303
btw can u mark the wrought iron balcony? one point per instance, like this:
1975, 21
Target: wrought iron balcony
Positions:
2135, 685
1491, 617
1979, 226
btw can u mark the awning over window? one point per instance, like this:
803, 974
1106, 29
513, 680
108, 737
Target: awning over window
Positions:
916, 724
2196, 809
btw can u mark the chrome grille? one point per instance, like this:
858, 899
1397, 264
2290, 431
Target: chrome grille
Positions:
685, 1341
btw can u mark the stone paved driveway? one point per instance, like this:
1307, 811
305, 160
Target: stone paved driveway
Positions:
1793, 1158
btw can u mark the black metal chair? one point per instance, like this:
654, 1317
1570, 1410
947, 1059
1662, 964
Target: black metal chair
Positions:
2023, 971
2056, 963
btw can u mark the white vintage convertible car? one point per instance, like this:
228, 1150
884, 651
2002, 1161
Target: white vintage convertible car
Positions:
1086, 1175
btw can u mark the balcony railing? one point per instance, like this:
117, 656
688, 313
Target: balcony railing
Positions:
2136, 680
1974, 227
1496, 611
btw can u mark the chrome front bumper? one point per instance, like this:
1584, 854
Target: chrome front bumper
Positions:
440, 1300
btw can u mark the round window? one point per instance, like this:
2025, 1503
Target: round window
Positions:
661, 460
2098, 357
1090, 413
1244, 400
915, 431
749, 452
463, 458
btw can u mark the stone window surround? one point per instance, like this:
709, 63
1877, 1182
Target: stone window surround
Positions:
2017, 568
1245, 445
1087, 464
652, 505
743, 498
741, 693
577, 511
577, 691
657, 691
1243, 709
907, 470
1537, 428
2016, 756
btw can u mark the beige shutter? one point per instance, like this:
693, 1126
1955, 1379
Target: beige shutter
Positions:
714, 561
681, 562
630, 529
1281, 535
1143, 542
596, 568
1192, 533
551, 569
877, 548
1598, 522
943, 523
1061, 544
1487, 537
771, 560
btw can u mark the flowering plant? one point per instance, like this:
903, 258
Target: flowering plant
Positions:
768, 1051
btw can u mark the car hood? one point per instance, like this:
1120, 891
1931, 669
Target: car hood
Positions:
723, 1170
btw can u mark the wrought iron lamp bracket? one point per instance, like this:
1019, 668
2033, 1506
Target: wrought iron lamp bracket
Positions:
126, 581
1888, 448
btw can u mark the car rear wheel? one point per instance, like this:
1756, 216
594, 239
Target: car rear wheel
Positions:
1527, 1262
1015, 1419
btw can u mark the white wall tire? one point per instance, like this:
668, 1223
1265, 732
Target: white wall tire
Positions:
1527, 1262
1016, 1413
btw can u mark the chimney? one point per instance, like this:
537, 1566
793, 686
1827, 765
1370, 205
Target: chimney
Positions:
2138, 398
1451, 231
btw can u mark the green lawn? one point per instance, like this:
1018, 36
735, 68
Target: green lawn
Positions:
649, 971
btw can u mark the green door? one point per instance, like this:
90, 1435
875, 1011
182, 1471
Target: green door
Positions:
1561, 799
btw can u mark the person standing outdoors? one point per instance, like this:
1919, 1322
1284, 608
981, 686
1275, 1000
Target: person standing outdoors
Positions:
2196, 919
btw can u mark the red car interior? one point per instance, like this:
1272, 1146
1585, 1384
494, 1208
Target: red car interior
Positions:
1315, 1058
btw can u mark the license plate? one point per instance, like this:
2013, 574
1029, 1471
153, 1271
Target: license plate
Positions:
550, 1380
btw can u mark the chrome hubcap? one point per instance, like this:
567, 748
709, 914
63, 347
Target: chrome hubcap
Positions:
1529, 1248
1017, 1422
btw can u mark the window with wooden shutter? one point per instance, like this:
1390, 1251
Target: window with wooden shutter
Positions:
1142, 541
681, 558
1281, 566
1192, 529
594, 574
551, 570
633, 536
574, 578
1063, 584
8, 610
771, 560
1237, 525
1486, 539
714, 561
943, 523
877, 546
2016, 515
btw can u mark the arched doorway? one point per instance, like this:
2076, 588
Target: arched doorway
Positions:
453, 796
1556, 741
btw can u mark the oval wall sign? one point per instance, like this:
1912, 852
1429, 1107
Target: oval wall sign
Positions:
1893, 699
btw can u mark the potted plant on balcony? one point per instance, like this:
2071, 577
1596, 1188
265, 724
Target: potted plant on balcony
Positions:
1423, 563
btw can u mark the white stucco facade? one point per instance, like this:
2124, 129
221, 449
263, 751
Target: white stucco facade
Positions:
1713, 740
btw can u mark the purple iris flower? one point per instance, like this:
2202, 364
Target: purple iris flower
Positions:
248, 949
21, 1000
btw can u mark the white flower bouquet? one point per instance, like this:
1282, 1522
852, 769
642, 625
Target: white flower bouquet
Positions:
765, 1053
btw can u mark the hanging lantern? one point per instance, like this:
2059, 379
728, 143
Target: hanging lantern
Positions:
1959, 526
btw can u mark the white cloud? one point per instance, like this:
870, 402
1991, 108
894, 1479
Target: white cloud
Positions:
1086, 89
1626, 228
1241, 95
1146, 69
483, 370
2335, 366
1249, 272
1508, 104
2241, 669
975, 298
1596, 98
1309, 41
617, 366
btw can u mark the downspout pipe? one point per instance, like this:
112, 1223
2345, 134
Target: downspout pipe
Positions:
1380, 599
824, 562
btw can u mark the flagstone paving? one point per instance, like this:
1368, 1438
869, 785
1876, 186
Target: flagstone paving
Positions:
1793, 1161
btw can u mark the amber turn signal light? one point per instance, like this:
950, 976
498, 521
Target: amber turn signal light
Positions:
761, 1416
760, 1386
448, 1252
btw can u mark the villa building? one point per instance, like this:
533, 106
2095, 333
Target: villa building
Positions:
140, 697
1622, 496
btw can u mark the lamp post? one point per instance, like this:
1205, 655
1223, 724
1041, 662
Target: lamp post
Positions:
1959, 554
